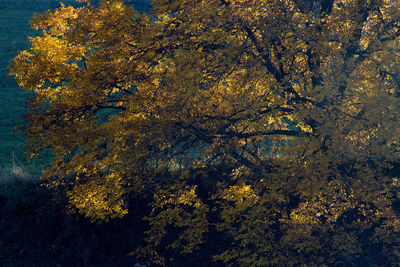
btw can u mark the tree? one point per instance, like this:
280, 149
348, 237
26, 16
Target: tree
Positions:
272, 125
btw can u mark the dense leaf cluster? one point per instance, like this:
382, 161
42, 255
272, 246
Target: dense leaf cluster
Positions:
257, 132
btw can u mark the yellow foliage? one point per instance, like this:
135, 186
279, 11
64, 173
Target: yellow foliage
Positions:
273, 112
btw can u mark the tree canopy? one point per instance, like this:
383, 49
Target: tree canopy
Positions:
257, 132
